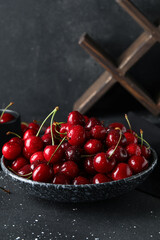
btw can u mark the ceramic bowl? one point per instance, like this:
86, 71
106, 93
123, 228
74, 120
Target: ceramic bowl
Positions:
12, 126
80, 193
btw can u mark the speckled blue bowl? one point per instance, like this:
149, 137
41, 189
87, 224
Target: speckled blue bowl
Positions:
81, 193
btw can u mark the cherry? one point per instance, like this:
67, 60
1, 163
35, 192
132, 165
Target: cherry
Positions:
138, 163
93, 146
36, 163
61, 179
57, 167
76, 135
37, 156
65, 145
103, 164
130, 137
73, 153
53, 154
133, 149
25, 171
24, 127
80, 180
98, 132
146, 152
91, 123
86, 119
47, 140
34, 125
120, 154
121, 171
76, 118
88, 166
65, 127
29, 133
11, 150
43, 173
100, 178
17, 140
26, 154
18, 163
113, 137
69, 169
117, 125
48, 130
6, 117
88, 134
33, 144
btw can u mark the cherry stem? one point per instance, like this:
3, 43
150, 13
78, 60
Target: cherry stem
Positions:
117, 143
51, 126
126, 117
10, 104
144, 141
55, 110
58, 131
8, 133
141, 133
92, 155
56, 149
25, 175
3, 189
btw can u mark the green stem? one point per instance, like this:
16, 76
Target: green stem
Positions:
56, 149
55, 110
144, 141
92, 155
126, 117
8, 133
141, 133
116, 144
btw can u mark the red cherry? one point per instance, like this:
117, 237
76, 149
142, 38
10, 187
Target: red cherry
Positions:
98, 132
48, 130
120, 154
113, 137
92, 122
133, 149
88, 166
26, 154
65, 127
65, 145
37, 156
24, 127
76, 118
146, 152
33, 144
131, 138
25, 170
69, 169
76, 135
18, 163
102, 164
11, 150
47, 140
100, 178
57, 167
73, 153
43, 173
29, 133
17, 140
7, 117
80, 180
36, 163
138, 163
60, 179
93, 146
121, 171
50, 150
34, 125
118, 125
86, 119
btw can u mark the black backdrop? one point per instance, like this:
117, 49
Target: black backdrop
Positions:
41, 64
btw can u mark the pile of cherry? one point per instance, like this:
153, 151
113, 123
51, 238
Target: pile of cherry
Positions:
80, 151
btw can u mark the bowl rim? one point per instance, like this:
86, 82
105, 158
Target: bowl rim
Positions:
71, 186
15, 114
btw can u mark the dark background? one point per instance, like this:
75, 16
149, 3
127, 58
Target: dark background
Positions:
42, 65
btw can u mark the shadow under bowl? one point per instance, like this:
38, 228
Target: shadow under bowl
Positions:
81, 193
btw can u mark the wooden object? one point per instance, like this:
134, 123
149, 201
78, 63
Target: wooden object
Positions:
117, 73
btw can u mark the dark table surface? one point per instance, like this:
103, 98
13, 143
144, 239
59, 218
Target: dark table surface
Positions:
135, 215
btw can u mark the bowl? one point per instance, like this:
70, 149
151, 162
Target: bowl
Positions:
80, 193
12, 126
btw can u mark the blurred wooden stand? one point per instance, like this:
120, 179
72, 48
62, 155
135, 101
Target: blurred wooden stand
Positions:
117, 72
